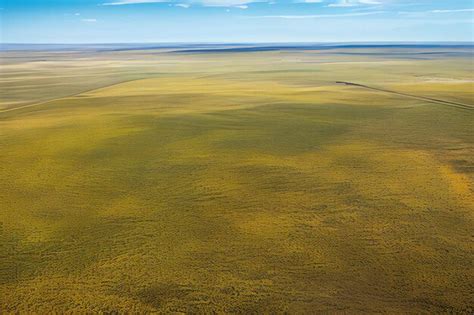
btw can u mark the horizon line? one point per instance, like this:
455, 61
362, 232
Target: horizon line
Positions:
238, 42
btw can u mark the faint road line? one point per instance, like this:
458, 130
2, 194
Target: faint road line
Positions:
427, 99
67, 96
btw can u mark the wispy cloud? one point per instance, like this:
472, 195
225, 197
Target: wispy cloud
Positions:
316, 16
310, 1
125, 2
452, 11
370, 2
241, 4
89, 20
431, 12
227, 3
353, 3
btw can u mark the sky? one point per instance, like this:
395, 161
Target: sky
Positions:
154, 21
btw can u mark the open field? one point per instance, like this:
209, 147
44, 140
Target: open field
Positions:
237, 182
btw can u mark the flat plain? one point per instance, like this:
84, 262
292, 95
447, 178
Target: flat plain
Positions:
332, 179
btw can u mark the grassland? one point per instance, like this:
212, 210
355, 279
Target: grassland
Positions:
246, 182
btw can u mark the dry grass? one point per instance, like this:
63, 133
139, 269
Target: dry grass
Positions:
244, 183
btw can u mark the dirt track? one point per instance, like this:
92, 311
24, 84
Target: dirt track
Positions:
428, 99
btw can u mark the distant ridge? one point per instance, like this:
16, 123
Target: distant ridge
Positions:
228, 47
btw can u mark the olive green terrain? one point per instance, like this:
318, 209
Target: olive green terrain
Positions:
142, 181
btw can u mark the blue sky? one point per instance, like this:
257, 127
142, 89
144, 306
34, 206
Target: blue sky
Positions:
120, 21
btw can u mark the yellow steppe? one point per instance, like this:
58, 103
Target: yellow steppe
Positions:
246, 191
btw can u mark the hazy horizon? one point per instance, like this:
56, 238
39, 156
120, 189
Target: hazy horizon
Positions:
224, 46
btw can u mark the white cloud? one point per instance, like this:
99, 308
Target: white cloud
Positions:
182, 5
425, 13
226, 3
242, 4
317, 16
452, 11
342, 4
124, 2
89, 20
369, 2
353, 3
311, 1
